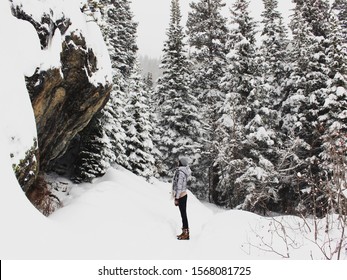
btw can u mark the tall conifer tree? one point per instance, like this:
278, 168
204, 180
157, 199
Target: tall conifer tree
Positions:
308, 89
241, 127
340, 9
178, 125
333, 114
107, 131
265, 133
138, 141
207, 36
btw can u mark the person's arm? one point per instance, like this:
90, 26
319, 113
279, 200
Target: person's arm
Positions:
180, 184
174, 187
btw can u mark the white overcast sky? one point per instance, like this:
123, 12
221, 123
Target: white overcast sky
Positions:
153, 19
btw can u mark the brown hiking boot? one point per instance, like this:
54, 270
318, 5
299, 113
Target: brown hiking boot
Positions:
184, 235
178, 236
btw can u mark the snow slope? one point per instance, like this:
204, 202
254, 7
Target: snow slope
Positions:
121, 216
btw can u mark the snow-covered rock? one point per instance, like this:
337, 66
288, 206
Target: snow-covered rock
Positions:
72, 74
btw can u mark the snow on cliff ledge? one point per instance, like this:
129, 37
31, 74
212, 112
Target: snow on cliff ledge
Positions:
80, 23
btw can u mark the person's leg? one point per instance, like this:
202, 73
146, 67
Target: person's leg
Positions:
182, 203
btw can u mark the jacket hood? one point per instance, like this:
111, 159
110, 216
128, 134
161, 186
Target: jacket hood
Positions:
186, 170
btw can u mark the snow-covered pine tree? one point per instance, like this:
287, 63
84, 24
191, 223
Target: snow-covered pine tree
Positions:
120, 32
119, 29
273, 50
207, 36
178, 125
148, 80
333, 116
246, 139
114, 114
91, 161
265, 133
153, 116
337, 55
308, 90
139, 127
107, 132
339, 7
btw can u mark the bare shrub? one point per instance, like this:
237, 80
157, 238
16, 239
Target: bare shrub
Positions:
42, 198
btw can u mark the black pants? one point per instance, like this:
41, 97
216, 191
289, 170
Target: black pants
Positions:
182, 204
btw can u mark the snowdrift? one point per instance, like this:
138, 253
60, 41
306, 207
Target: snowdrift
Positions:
121, 216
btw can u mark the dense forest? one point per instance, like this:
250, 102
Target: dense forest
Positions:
262, 117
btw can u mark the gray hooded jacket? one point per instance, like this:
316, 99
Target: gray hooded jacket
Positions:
180, 180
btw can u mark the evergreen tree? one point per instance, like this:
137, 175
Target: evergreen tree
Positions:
264, 128
178, 124
273, 49
91, 161
119, 31
207, 36
340, 9
333, 117
244, 168
139, 127
154, 119
333, 113
104, 138
114, 115
308, 89
148, 80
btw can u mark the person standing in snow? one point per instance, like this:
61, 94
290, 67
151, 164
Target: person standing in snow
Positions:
179, 187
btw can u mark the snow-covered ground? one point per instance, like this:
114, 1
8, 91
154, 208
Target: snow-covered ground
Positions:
121, 216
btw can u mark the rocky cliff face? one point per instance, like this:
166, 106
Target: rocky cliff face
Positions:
64, 103
64, 98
